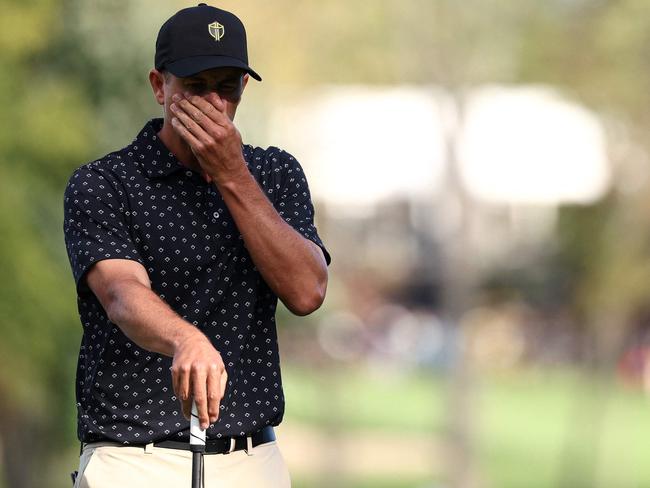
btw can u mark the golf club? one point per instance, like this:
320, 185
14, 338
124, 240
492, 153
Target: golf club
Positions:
197, 446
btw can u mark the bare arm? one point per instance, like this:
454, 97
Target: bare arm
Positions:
124, 290
293, 266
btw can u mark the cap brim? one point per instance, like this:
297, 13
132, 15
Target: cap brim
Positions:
191, 66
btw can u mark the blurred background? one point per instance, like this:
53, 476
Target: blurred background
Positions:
480, 176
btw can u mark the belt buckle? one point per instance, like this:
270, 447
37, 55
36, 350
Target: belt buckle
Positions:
232, 445
249, 444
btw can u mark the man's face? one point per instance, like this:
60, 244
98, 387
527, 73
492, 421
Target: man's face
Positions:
228, 83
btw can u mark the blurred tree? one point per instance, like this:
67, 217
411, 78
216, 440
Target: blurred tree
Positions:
598, 52
46, 124
73, 86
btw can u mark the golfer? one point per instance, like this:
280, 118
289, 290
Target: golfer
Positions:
180, 245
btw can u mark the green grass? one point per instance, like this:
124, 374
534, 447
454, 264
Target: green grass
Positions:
533, 429
567, 429
552, 429
374, 482
357, 399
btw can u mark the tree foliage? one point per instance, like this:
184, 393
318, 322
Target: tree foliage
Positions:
73, 85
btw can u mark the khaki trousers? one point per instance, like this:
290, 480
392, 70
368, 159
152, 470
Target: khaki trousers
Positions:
104, 465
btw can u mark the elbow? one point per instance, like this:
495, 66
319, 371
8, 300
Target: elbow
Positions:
112, 305
115, 300
304, 306
305, 302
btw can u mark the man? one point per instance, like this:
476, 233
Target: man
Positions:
180, 245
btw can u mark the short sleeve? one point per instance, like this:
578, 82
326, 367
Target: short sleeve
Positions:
94, 225
293, 201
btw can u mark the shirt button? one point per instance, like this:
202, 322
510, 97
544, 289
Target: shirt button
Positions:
216, 215
188, 173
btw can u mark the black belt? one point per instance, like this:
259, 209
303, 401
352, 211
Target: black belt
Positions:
226, 444
222, 445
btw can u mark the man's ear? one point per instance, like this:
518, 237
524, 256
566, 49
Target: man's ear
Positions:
157, 80
244, 82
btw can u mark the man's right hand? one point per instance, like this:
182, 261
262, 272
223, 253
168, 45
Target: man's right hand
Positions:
198, 374
124, 290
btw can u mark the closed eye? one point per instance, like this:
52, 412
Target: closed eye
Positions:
195, 87
228, 87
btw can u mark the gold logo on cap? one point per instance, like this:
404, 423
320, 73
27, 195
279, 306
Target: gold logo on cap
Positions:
216, 30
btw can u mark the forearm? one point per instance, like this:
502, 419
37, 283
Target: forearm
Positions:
290, 264
146, 319
198, 372
293, 267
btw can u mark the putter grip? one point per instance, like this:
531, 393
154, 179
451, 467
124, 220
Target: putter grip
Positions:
197, 435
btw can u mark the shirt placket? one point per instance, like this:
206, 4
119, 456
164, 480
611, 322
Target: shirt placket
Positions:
211, 203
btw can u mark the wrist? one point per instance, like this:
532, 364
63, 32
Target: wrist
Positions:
236, 186
232, 178
184, 334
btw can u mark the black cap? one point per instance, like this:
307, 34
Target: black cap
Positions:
203, 37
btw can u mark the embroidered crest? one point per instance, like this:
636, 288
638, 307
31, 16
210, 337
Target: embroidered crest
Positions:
216, 30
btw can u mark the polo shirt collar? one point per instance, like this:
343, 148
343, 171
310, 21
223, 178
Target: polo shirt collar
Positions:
152, 154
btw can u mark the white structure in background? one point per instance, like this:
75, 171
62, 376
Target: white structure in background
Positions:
361, 145
527, 145
521, 151
520, 144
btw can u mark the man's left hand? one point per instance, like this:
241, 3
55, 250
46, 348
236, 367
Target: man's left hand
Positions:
203, 123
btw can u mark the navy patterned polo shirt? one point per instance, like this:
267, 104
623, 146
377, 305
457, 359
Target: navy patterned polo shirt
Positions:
141, 203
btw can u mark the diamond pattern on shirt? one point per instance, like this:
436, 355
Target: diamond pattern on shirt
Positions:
140, 203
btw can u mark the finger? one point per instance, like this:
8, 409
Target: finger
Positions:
194, 111
182, 388
186, 406
199, 124
183, 383
214, 393
204, 129
212, 99
199, 393
184, 133
212, 107
175, 382
224, 381
190, 124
